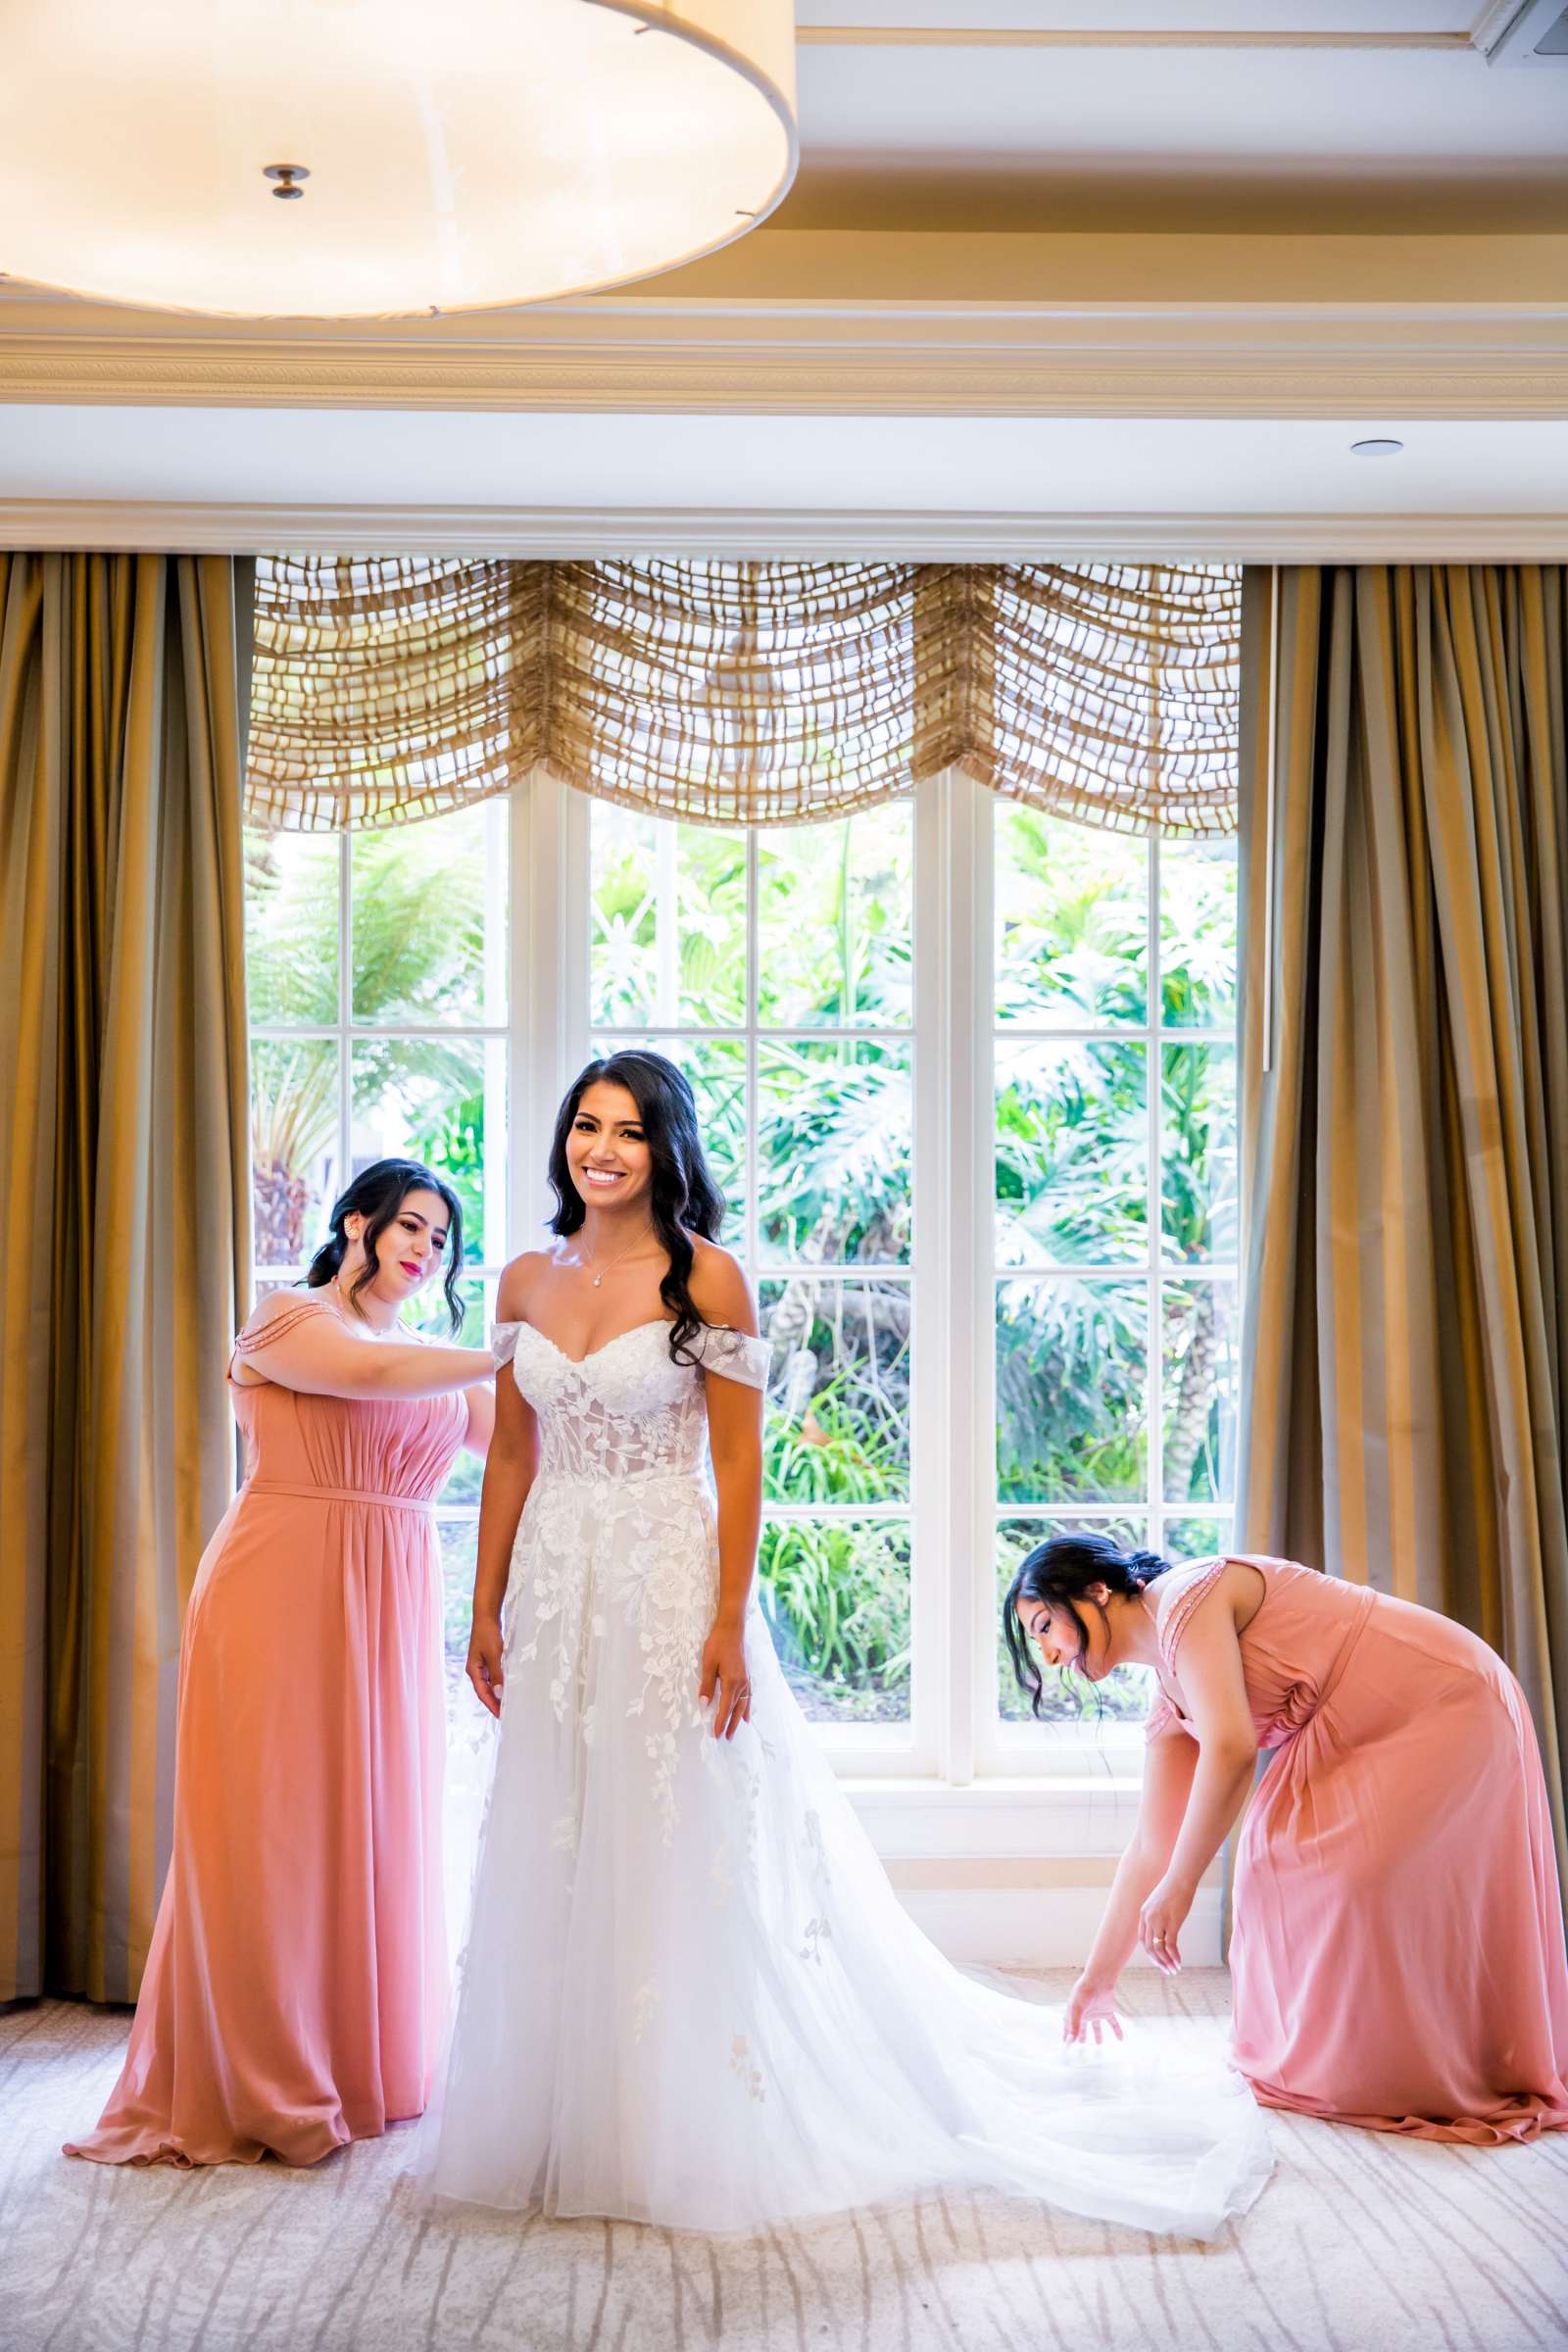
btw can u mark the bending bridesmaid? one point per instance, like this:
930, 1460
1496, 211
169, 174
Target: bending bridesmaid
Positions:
297, 1974
1398, 1957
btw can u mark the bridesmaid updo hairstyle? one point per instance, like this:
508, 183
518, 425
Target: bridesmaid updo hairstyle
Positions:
683, 1198
376, 1194
1059, 1572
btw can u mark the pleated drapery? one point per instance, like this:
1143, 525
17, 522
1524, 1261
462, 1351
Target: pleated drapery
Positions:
1405, 1095
124, 1140
726, 693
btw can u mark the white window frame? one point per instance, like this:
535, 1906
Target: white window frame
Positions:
954, 1738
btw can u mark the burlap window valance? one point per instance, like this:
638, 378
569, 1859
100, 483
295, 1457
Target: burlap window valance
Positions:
728, 693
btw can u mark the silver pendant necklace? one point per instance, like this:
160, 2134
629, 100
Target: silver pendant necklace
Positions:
597, 1279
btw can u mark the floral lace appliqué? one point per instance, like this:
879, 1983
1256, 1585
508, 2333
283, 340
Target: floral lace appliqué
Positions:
740, 2063
619, 1527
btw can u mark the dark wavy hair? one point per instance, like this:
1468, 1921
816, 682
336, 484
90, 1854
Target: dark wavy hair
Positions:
1060, 1571
376, 1194
683, 1198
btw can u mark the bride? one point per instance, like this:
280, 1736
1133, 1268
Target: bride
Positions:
690, 1995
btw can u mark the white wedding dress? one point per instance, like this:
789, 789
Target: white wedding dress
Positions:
689, 1994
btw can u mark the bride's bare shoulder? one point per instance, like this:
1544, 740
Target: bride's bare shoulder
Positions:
518, 1279
718, 1287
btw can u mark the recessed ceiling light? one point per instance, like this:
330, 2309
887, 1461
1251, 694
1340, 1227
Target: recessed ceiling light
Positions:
1376, 449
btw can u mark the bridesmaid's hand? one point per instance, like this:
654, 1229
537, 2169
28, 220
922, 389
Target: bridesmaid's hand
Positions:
1160, 1922
485, 1670
724, 1673
1089, 2007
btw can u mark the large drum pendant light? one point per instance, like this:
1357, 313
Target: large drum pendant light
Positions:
340, 159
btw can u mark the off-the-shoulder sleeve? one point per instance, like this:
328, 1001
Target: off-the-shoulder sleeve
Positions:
274, 1322
733, 1355
1176, 1612
503, 1343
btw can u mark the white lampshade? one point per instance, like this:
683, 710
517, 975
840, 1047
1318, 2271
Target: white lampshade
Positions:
459, 153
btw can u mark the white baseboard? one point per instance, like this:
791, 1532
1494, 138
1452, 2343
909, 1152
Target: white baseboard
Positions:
1013, 1926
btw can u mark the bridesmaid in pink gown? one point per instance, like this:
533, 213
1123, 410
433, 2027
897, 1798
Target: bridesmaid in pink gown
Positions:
1397, 1956
297, 1975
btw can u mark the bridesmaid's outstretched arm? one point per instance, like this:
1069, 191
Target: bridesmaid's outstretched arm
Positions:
304, 1345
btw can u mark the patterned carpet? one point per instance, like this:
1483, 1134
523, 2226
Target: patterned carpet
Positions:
1361, 2243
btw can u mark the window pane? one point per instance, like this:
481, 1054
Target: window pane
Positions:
624, 959
668, 941
1071, 1392
711, 914
427, 1098
838, 1401
294, 1109
1072, 1155
429, 918
837, 1596
1198, 1151
291, 903
1066, 1696
1196, 1538
428, 1313
459, 1540
714, 1068
1072, 923
1202, 1377
835, 918
1197, 932
835, 1144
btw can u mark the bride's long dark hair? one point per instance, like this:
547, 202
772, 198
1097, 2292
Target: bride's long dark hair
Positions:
683, 1198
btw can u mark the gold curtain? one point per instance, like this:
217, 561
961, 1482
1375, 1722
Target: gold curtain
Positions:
728, 693
1405, 1095
124, 1178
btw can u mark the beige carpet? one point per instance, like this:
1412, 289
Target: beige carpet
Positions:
1361, 2243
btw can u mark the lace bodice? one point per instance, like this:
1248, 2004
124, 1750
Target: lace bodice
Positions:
626, 1410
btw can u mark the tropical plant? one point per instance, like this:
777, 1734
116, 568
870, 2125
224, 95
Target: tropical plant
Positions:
836, 1594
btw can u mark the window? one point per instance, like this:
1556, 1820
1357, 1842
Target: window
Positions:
967, 1073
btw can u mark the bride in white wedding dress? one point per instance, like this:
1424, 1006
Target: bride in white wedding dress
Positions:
689, 1994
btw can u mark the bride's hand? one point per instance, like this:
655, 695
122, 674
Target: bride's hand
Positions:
485, 1670
1090, 2006
724, 1673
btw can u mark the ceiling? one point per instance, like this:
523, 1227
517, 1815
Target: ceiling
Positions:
1173, 115
1134, 259
499, 481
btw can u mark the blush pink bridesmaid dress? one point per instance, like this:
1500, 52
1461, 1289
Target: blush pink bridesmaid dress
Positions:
1397, 1956
296, 1981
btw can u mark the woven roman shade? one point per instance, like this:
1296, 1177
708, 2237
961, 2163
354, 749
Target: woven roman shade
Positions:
726, 693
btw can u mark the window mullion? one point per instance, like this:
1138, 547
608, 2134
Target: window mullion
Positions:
1156, 1391
955, 970
751, 1144
345, 1007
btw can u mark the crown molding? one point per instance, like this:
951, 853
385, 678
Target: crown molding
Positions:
863, 534
826, 357
1089, 36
